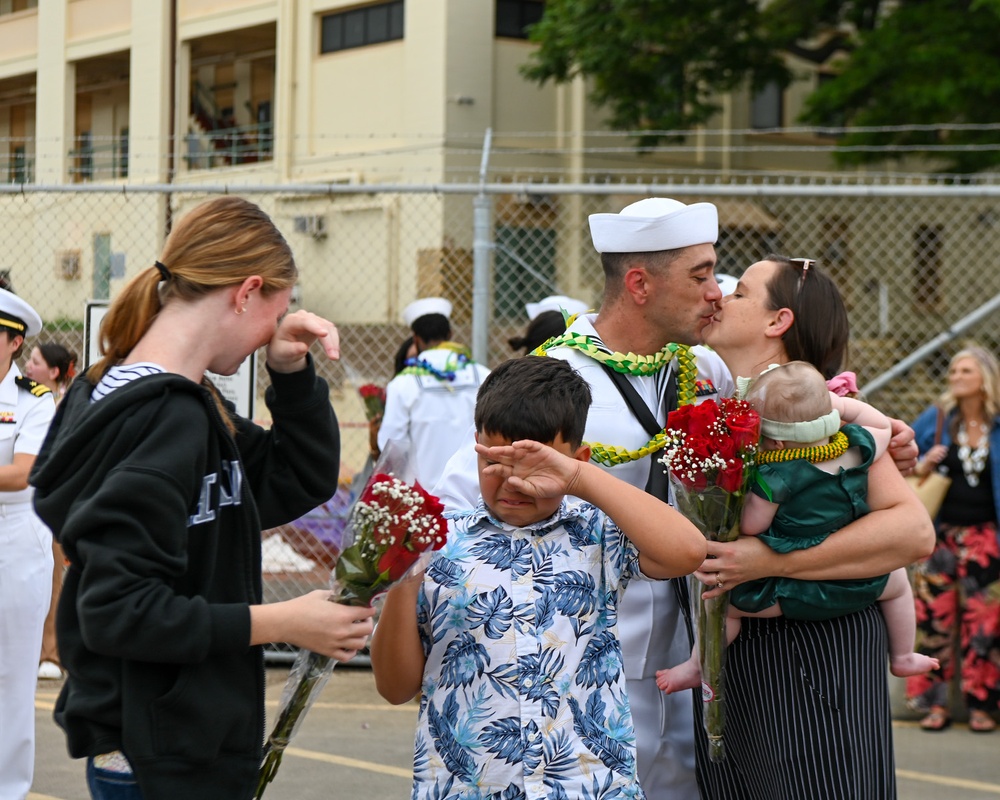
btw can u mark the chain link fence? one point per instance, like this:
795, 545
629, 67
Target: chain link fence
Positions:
916, 261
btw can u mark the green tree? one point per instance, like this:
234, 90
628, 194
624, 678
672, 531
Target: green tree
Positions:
655, 64
659, 65
930, 64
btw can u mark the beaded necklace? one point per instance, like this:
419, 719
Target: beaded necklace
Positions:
418, 366
632, 364
973, 461
814, 455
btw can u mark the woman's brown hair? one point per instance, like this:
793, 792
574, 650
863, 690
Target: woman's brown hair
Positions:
218, 243
820, 331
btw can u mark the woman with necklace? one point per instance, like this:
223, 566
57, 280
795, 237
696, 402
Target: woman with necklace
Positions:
807, 701
958, 587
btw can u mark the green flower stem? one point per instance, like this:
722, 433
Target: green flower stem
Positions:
317, 672
355, 584
716, 514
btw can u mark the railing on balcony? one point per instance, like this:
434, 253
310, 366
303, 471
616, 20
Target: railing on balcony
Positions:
107, 160
241, 144
18, 168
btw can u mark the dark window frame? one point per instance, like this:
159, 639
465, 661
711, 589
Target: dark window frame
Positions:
769, 102
361, 27
928, 266
512, 18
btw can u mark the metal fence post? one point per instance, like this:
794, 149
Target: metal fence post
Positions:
482, 244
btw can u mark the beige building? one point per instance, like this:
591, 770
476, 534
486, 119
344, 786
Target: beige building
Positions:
288, 90
192, 93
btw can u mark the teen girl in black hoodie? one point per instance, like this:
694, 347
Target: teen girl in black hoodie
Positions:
158, 492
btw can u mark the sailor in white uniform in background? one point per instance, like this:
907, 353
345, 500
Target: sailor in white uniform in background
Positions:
431, 403
26, 409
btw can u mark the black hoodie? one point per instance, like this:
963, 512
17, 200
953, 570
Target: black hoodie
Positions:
159, 510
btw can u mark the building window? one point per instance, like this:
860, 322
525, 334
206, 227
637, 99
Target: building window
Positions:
13, 6
514, 17
85, 156
766, 108
524, 268
19, 165
123, 153
927, 265
361, 26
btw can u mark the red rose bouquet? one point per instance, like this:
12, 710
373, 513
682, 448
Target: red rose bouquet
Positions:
394, 524
374, 399
709, 456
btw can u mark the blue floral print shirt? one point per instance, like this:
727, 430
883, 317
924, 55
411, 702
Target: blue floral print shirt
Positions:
523, 690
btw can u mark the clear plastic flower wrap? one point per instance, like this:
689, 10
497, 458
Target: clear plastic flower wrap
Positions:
392, 530
709, 457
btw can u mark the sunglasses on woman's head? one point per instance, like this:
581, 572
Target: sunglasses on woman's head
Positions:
803, 264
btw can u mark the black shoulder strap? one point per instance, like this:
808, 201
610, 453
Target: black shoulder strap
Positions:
631, 397
657, 484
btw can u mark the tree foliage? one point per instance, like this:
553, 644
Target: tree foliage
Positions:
655, 64
662, 65
932, 64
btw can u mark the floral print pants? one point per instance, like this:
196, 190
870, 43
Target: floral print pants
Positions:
957, 595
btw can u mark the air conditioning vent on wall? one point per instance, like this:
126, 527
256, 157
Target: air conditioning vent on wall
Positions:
313, 224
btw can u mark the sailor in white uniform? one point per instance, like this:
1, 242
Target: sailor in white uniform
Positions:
431, 403
26, 409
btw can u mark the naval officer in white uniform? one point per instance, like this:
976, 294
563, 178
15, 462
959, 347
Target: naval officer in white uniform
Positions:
26, 409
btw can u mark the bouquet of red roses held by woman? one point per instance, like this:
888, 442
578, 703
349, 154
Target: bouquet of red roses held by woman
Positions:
392, 530
709, 457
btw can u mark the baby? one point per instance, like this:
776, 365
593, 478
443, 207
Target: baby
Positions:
811, 480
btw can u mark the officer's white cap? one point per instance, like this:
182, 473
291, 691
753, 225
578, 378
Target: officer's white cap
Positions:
14, 311
654, 224
556, 302
426, 305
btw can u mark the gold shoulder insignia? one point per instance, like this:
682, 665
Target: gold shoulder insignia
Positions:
36, 388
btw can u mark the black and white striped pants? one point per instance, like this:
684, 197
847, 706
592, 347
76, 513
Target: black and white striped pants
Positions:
807, 713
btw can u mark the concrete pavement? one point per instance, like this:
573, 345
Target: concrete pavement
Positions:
353, 744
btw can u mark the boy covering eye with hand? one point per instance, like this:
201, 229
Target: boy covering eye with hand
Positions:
511, 634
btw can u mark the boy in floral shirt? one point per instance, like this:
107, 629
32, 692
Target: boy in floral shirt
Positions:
511, 634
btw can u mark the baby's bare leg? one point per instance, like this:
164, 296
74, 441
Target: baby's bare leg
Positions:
687, 675
897, 607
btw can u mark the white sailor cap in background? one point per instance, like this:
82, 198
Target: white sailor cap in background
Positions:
653, 224
16, 315
426, 305
556, 302
727, 283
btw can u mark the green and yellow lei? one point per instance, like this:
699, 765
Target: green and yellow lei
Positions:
632, 364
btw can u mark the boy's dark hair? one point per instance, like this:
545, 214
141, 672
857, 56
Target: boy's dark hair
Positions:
432, 328
534, 397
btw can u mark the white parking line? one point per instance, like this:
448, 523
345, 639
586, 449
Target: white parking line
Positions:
354, 763
958, 783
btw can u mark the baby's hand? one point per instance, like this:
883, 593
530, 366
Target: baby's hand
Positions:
532, 468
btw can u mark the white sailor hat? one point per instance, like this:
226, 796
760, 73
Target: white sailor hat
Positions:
426, 305
727, 283
17, 316
653, 224
556, 302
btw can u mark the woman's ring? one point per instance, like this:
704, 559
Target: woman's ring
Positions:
719, 585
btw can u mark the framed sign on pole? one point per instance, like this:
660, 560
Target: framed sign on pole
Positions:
240, 388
